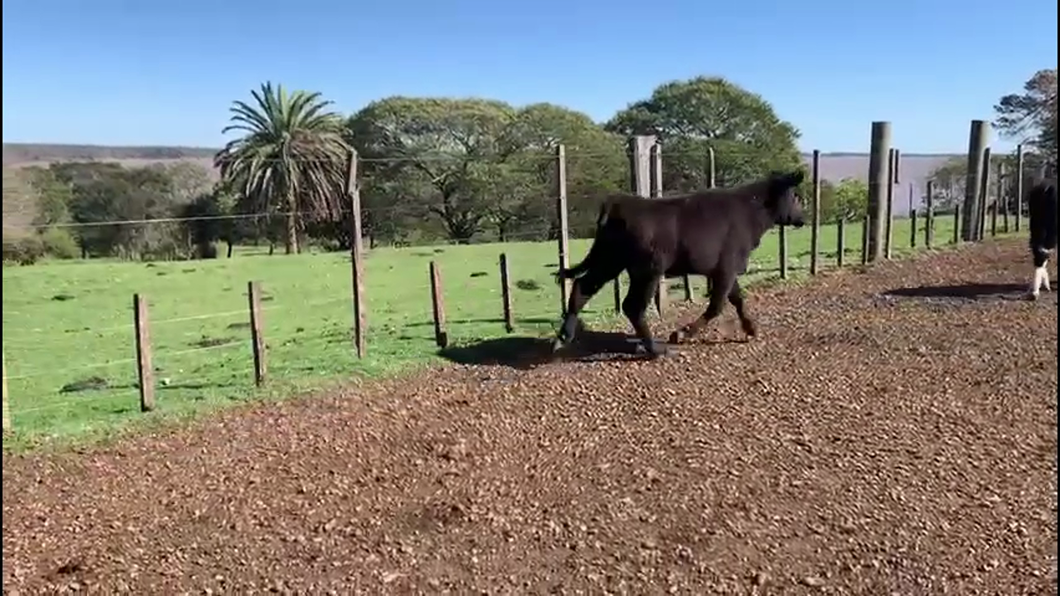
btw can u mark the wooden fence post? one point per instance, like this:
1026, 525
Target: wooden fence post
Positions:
1019, 186
984, 189
506, 295
977, 141
815, 232
999, 200
353, 191
712, 182
1003, 178
782, 249
866, 244
639, 151
840, 243
912, 218
563, 241
144, 368
879, 180
7, 410
929, 214
888, 226
257, 338
662, 294
441, 338
957, 224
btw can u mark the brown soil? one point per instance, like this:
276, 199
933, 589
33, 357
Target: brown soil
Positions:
863, 444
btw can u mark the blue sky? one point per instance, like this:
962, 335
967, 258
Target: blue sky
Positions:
164, 73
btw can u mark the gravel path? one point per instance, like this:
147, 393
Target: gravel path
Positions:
865, 443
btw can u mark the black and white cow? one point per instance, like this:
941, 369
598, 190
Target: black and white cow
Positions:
1041, 203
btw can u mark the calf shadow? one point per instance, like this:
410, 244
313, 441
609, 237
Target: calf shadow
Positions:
963, 292
525, 353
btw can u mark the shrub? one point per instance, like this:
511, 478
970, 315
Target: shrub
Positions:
60, 244
23, 249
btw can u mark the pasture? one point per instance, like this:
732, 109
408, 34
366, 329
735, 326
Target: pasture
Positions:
68, 325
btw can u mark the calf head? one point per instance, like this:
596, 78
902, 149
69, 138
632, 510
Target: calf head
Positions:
782, 200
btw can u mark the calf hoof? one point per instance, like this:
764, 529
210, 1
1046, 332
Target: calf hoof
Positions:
677, 337
749, 328
557, 345
1032, 296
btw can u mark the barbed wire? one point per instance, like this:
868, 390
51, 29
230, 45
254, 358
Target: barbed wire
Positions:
369, 211
515, 157
131, 326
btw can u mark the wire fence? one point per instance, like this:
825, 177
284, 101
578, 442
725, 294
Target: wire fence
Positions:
72, 360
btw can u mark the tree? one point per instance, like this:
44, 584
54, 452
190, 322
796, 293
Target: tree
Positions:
478, 166
951, 178
107, 192
689, 116
437, 154
850, 200
189, 181
595, 160
1030, 116
290, 156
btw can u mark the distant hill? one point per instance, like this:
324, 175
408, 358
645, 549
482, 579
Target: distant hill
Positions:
834, 166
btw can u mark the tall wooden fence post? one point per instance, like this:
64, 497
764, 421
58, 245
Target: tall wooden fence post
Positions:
929, 214
441, 338
353, 191
257, 338
506, 295
879, 179
815, 232
662, 294
888, 229
1019, 186
563, 239
144, 368
977, 140
7, 410
640, 172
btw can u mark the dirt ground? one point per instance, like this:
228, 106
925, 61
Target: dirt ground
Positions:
875, 439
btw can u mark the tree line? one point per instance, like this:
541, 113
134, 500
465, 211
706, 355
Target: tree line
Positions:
459, 170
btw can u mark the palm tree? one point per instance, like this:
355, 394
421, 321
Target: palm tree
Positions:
290, 157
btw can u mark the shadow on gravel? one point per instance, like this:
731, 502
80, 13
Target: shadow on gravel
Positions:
964, 292
524, 353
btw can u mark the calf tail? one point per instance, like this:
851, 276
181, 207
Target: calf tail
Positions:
587, 263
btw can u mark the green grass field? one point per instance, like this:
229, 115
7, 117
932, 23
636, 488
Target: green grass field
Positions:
70, 322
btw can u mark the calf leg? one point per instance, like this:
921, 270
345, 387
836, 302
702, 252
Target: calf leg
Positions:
720, 286
1041, 273
642, 287
736, 300
582, 290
